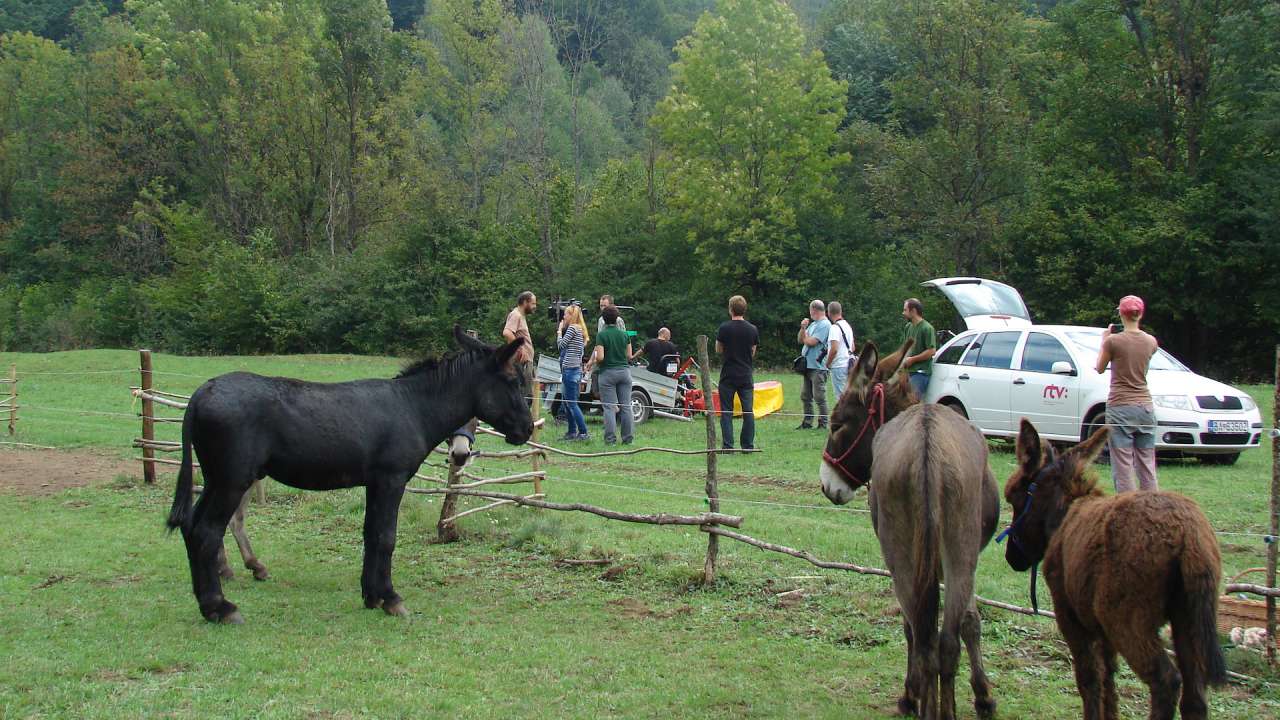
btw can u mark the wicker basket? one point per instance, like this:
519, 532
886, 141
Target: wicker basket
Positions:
1234, 612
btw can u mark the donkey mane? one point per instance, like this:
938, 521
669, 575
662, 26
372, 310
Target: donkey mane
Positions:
1068, 470
1085, 484
897, 386
437, 369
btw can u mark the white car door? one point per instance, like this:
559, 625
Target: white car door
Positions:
1051, 401
984, 379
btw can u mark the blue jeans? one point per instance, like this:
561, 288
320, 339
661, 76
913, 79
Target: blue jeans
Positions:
839, 378
920, 382
571, 377
746, 393
615, 394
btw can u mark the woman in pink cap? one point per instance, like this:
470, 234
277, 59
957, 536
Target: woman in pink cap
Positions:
1130, 413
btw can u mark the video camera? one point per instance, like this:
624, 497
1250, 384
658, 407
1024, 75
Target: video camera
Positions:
557, 307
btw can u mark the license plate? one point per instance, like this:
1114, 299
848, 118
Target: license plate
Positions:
1228, 426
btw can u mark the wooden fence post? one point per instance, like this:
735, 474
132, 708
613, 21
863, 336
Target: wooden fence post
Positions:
1275, 519
13, 397
537, 413
713, 492
148, 420
446, 528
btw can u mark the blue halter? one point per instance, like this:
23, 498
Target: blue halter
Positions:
1011, 533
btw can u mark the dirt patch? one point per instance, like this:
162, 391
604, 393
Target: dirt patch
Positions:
45, 472
636, 610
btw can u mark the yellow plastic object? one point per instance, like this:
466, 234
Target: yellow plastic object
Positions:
767, 399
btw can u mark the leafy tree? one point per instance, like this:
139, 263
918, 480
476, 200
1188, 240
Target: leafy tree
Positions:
473, 81
357, 69
860, 55
953, 170
749, 127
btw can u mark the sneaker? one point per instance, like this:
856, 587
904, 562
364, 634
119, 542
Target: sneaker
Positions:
804, 426
607, 441
749, 447
726, 447
584, 437
627, 441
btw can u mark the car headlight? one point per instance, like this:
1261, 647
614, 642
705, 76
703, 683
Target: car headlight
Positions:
1247, 403
1172, 402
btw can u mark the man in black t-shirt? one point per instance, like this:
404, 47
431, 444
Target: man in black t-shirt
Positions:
736, 341
658, 348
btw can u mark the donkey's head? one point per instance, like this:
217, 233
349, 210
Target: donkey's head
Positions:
1040, 490
876, 393
500, 388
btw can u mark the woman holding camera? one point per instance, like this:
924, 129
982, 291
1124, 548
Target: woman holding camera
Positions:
571, 338
1130, 413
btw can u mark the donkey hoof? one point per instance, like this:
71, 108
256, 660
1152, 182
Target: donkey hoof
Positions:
372, 603
985, 707
907, 707
259, 571
396, 608
225, 614
226, 573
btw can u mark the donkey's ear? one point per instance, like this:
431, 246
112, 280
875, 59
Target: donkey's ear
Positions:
1086, 452
467, 342
505, 356
1029, 450
862, 373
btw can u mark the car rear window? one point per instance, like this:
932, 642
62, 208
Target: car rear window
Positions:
1041, 352
995, 351
952, 354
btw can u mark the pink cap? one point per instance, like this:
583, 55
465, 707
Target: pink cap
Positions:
1131, 306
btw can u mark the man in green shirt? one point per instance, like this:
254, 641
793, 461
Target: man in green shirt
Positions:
613, 354
920, 363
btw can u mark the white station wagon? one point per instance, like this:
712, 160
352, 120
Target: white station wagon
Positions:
1003, 368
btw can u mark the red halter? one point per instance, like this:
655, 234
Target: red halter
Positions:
873, 412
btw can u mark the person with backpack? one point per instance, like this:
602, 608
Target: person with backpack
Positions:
840, 351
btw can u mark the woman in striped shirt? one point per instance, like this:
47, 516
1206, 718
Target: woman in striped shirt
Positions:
571, 338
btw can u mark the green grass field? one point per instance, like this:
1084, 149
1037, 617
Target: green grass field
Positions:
99, 621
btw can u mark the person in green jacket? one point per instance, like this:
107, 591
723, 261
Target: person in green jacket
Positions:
920, 362
613, 356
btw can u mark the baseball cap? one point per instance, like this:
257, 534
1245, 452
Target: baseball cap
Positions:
1131, 305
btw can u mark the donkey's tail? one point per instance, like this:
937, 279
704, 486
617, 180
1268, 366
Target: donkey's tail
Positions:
1200, 617
180, 513
925, 582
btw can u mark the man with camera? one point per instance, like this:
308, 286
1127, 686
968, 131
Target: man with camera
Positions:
814, 334
605, 302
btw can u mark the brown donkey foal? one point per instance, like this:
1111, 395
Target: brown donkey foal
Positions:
1119, 567
934, 506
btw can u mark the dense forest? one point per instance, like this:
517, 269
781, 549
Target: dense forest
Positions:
287, 176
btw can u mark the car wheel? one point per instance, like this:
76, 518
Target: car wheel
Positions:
1096, 419
1223, 459
957, 406
640, 406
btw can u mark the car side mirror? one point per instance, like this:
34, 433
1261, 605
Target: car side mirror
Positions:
1062, 367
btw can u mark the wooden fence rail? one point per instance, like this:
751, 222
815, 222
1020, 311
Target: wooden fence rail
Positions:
713, 522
